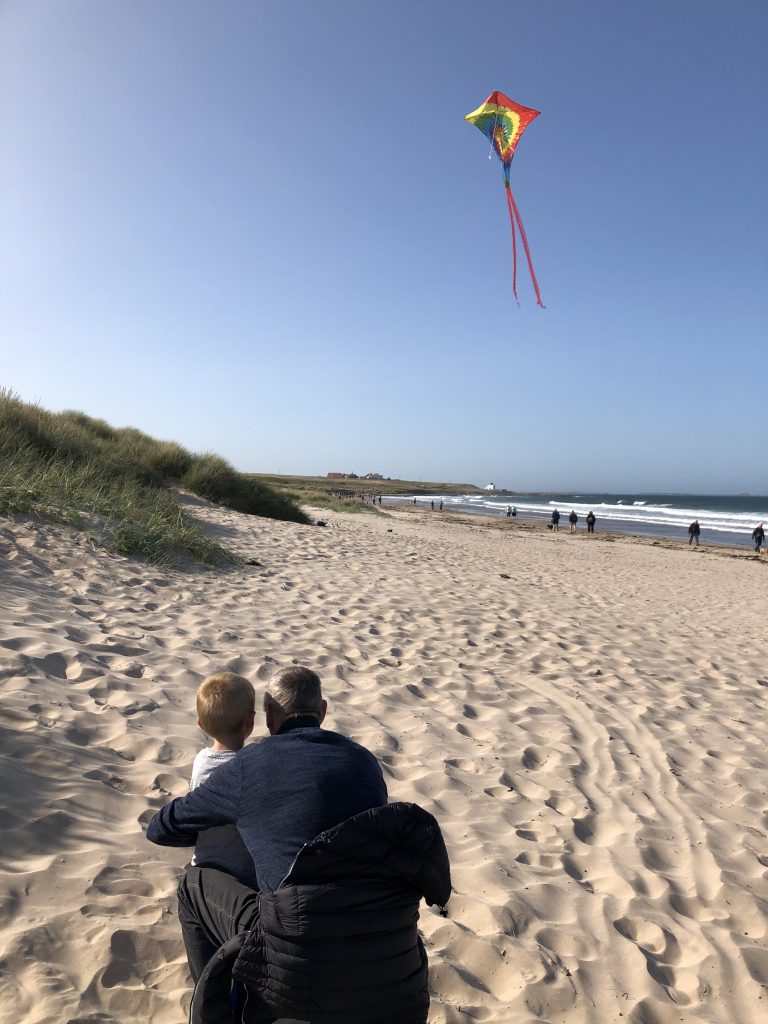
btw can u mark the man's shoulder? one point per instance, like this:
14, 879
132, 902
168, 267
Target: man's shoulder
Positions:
303, 740
326, 737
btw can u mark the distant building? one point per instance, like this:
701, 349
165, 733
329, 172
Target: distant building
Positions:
490, 487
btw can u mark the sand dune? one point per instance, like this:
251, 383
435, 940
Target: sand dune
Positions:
590, 732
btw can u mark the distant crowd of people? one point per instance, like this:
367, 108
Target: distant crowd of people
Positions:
364, 496
573, 519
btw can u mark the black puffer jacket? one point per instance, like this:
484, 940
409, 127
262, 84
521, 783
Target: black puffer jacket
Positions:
337, 942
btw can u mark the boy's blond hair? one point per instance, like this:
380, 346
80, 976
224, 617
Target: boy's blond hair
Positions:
224, 703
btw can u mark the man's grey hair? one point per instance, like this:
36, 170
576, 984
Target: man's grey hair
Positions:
294, 691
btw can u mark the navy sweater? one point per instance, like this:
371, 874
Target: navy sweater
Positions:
280, 793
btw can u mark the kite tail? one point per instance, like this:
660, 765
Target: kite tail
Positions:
513, 207
514, 241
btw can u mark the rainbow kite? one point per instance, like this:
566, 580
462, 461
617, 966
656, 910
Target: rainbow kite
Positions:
504, 121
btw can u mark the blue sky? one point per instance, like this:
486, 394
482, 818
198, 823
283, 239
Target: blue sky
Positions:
264, 229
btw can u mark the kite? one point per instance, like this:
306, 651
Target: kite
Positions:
504, 121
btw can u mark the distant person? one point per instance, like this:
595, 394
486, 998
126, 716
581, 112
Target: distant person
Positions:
433, 506
573, 519
693, 532
758, 536
556, 520
591, 522
414, 501
226, 708
514, 511
441, 504
379, 501
509, 511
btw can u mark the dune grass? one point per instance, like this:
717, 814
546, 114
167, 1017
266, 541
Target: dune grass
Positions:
319, 490
116, 482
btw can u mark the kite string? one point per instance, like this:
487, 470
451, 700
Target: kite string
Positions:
513, 207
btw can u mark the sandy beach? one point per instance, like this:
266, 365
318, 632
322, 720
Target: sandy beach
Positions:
586, 718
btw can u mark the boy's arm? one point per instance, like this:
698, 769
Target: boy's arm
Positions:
215, 802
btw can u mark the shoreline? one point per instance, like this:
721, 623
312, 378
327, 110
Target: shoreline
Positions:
537, 526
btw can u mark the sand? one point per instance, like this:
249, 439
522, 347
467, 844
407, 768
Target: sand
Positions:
585, 718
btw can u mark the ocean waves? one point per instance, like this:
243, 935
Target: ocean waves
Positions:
725, 519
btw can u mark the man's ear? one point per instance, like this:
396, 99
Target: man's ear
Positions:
269, 716
323, 709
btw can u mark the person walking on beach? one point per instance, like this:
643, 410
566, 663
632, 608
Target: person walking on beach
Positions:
509, 511
441, 504
591, 522
556, 520
693, 532
433, 506
573, 519
514, 511
758, 536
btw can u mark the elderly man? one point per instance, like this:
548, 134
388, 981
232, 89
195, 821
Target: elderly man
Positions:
331, 934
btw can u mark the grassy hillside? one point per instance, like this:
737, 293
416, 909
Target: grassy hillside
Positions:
115, 482
318, 490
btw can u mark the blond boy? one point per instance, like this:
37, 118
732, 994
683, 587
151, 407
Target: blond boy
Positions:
226, 705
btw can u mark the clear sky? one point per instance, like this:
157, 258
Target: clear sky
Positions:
264, 229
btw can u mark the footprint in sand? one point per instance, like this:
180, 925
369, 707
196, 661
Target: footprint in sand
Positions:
126, 985
534, 758
115, 782
500, 792
169, 785
662, 952
124, 880
562, 805
534, 859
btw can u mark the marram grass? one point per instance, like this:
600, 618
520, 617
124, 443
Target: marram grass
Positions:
115, 483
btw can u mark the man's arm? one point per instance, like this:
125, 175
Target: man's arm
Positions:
215, 802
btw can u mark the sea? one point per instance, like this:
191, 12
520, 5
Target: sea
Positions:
726, 519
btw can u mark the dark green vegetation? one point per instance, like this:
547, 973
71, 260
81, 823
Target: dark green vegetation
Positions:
319, 490
117, 482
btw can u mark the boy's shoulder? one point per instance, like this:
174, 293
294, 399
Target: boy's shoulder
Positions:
206, 761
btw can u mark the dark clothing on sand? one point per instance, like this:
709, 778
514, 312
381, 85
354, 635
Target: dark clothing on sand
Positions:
758, 536
693, 533
337, 942
591, 520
